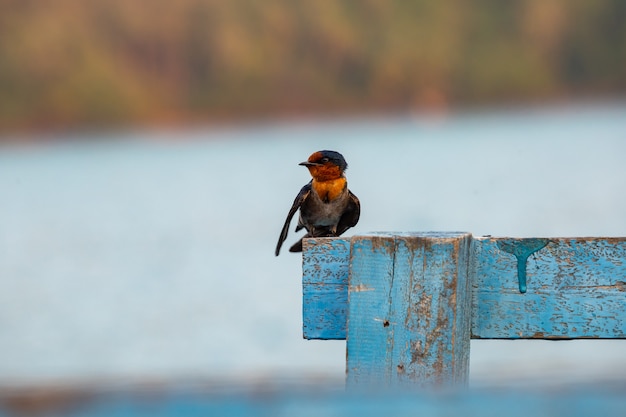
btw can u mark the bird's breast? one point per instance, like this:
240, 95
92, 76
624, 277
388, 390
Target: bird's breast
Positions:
328, 191
325, 205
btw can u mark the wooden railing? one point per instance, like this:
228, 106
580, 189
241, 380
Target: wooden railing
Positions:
408, 303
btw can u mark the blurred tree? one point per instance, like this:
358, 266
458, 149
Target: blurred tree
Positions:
95, 62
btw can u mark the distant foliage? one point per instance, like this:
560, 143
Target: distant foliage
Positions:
89, 62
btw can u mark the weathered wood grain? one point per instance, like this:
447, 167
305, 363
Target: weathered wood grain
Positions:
409, 310
325, 288
575, 288
369, 355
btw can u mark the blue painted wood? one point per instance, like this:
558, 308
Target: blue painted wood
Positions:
576, 288
369, 356
605, 401
522, 249
409, 310
325, 288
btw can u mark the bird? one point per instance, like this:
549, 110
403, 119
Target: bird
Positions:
327, 207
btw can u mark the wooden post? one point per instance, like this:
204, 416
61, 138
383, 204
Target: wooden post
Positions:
409, 310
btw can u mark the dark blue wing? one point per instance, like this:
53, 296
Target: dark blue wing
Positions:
304, 192
350, 216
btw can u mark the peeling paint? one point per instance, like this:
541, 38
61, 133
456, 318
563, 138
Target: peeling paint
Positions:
360, 288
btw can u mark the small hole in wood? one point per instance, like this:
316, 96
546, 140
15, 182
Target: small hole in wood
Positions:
386, 323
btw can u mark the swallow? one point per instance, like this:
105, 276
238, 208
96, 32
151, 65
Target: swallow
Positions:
327, 207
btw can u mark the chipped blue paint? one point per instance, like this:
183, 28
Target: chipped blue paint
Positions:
409, 310
325, 288
370, 335
522, 249
576, 289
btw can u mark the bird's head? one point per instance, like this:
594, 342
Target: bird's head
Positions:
326, 165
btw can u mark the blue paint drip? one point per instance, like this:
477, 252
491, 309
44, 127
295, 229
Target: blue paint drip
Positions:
522, 249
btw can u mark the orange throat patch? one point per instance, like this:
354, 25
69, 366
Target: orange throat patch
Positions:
329, 190
325, 172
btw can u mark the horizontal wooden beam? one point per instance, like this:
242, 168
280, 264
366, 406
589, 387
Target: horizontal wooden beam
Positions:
576, 288
556, 288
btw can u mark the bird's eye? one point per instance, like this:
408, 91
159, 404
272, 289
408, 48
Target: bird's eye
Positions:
324, 160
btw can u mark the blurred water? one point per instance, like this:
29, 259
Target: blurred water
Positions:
149, 255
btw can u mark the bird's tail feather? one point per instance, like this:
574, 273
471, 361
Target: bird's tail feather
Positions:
297, 247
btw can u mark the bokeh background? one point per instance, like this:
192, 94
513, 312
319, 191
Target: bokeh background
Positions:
73, 63
149, 154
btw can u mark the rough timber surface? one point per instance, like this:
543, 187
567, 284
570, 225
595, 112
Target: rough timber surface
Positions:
325, 288
409, 317
575, 288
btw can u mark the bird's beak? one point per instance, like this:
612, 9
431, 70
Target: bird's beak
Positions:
309, 164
